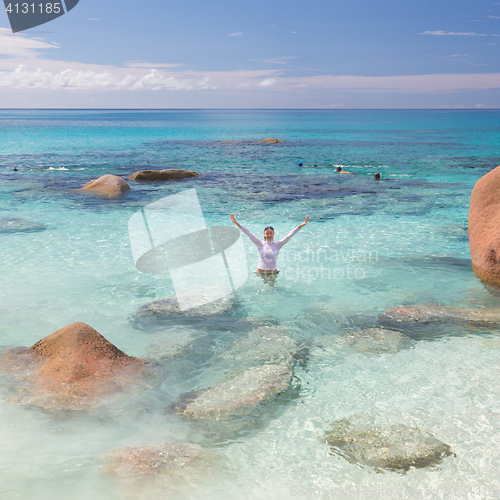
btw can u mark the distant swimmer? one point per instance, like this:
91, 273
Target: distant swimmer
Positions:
311, 166
268, 249
15, 168
377, 176
340, 171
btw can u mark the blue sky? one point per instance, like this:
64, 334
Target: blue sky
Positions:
274, 54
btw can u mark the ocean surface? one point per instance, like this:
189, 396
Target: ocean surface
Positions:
369, 246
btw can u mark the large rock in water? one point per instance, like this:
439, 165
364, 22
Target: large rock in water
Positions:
162, 175
69, 369
107, 185
484, 227
396, 448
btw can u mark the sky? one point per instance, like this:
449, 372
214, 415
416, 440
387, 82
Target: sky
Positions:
328, 54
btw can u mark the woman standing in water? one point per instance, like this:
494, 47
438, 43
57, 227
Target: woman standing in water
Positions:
268, 249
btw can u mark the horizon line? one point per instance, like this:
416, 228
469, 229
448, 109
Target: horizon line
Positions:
259, 109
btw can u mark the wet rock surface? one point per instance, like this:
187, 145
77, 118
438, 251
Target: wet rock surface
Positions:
396, 448
106, 185
237, 395
69, 369
162, 175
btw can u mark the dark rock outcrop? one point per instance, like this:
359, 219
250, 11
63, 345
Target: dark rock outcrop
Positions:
162, 175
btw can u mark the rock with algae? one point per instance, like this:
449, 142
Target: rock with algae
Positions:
395, 448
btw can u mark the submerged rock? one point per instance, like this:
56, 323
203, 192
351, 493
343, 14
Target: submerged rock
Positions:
436, 312
162, 175
236, 396
69, 369
18, 225
263, 346
173, 343
377, 341
396, 448
484, 227
167, 309
166, 458
107, 185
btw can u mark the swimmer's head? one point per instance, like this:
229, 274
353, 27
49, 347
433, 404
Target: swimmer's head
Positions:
269, 233
377, 175
339, 169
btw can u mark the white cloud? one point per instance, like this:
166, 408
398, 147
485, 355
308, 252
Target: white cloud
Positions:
17, 45
136, 79
69, 79
446, 33
24, 71
268, 82
240, 33
493, 17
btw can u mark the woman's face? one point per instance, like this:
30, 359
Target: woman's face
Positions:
269, 234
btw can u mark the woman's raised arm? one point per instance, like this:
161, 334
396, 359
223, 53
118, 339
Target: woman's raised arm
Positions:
247, 232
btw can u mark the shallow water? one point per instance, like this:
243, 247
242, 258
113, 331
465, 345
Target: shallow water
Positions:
368, 247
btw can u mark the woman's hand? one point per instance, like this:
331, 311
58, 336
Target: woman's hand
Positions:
300, 226
233, 220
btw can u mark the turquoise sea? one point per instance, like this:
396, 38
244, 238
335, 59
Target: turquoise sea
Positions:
369, 246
